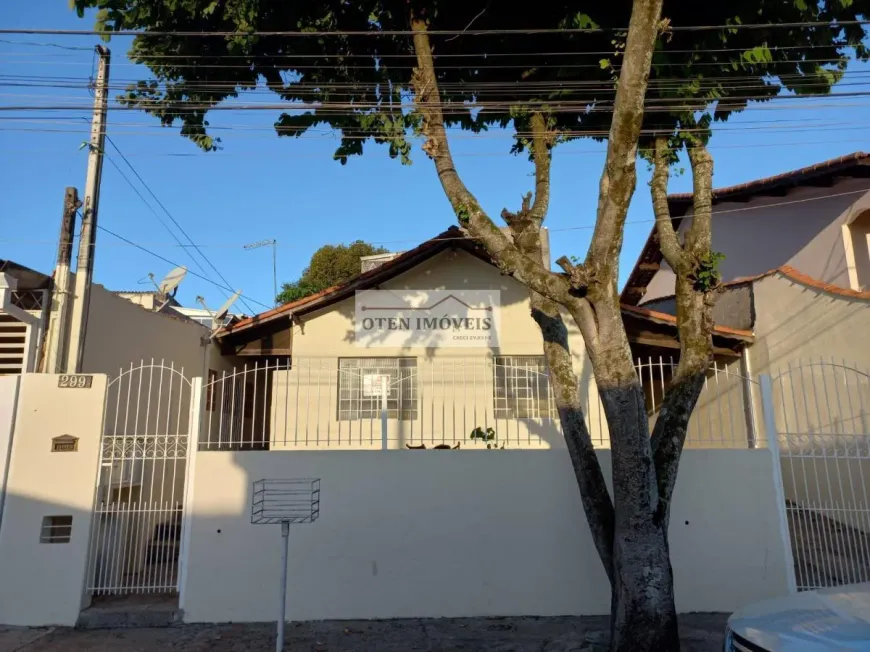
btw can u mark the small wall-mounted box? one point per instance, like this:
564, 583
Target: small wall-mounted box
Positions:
64, 444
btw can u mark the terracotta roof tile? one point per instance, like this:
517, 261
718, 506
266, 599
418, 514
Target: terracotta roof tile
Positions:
793, 177
385, 270
803, 279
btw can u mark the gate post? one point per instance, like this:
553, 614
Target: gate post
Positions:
193, 433
773, 445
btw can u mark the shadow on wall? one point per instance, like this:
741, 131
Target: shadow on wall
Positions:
464, 533
43, 551
405, 534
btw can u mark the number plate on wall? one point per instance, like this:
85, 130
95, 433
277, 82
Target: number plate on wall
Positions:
77, 381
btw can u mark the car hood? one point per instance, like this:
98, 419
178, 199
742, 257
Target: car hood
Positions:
837, 618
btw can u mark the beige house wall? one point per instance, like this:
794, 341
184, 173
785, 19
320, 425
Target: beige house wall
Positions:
464, 533
8, 403
795, 323
454, 385
43, 583
121, 333
803, 230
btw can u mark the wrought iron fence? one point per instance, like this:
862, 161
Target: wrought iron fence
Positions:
495, 402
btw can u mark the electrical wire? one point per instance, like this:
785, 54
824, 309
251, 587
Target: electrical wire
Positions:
486, 55
432, 32
174, 264
586, 227
169, 215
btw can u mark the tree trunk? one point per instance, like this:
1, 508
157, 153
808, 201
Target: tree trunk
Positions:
643, 614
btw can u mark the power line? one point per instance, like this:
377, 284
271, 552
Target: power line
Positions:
294, 66
349, 55
151, 209
432, 32
174, 264
587, 227
171, 217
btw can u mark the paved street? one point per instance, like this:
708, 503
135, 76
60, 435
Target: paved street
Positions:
700, 633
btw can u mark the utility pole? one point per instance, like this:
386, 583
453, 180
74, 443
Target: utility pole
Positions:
88, 238
55, 355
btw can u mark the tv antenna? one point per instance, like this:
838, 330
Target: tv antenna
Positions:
217, 318
168, 287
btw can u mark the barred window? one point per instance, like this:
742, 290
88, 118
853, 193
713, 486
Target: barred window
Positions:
521, 388
359, 393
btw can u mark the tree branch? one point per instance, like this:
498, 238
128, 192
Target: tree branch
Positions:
695, 327
699, 238
670, 245
620, 176
542, 142
471, 216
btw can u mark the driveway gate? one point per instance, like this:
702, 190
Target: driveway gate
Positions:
823, 436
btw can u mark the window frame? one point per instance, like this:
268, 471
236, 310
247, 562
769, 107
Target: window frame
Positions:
402, 401
537, 404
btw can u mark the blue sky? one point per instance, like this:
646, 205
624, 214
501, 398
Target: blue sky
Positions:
260, 186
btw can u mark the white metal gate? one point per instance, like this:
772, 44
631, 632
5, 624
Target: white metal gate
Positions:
823, 435
151, 409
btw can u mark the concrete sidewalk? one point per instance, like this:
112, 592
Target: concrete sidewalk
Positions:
699, 632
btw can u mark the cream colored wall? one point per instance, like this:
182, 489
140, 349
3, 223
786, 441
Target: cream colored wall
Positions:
43, 584
329, 332
464, 533
761, 235
121, 332
795, 323
8, 403
454, 384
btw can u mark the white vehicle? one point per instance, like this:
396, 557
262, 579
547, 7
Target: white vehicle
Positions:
829, 619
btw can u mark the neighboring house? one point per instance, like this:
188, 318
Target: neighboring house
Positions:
24, 299
814, 219
796, 270
123, 328
304, 364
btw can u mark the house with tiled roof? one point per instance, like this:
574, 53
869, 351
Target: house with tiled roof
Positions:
796, 271
314, 373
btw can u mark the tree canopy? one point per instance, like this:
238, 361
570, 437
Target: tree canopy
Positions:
494, 64
329, 265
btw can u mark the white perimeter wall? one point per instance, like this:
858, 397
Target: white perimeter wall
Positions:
43, 583
464, 533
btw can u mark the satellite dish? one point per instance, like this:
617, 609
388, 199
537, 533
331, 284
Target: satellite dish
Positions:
169, 285
218, 317
225, 308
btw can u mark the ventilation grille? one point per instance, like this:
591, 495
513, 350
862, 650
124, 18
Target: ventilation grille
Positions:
56, 529
13, 336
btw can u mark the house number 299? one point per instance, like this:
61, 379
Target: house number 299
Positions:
77, 381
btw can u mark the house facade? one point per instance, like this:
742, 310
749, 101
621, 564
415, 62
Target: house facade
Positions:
309, 371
